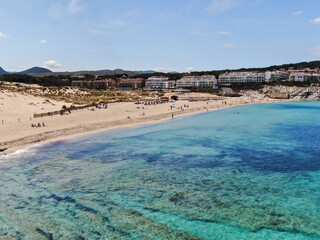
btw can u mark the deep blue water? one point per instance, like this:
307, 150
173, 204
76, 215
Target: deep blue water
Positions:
250, 172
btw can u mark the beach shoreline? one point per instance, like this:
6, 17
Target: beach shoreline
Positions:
157, 114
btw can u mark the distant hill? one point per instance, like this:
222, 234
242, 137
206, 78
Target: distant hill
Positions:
36, 70
42, 72
87, 72
2, 71
146, 72
33, 70
300, 65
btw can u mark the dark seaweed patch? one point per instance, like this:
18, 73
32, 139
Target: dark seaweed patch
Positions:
177, 197
113, 229
86, 209
80, 238
60, 199
48, 236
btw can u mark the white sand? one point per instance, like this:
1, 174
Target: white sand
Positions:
16, 134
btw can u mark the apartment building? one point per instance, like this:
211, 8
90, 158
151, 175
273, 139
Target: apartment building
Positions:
276, 76
300, 76
96, 84
207, 81
159, 83
134, 83
241, 77
304, 76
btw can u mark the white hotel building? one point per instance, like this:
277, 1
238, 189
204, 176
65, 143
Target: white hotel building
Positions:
241, 77
159, 83
206, 81
276, 76
245, 77
300, 77
304, 76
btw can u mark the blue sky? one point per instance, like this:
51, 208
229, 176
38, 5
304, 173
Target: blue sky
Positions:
167, 35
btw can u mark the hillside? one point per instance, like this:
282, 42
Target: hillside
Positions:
300, 65
43, 72
35, 70
2, 71
87, 72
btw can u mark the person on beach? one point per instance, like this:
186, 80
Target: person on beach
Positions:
172, 115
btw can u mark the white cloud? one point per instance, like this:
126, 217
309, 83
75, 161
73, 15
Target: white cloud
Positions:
59, 10
315, 20
75, 6
204, 34
2, 35
51, 64
228, 45
220, 6
164, 70
43, 41
225, 33
190, 69
297, 13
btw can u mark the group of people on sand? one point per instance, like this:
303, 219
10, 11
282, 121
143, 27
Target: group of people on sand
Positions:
38, 125
225, 102
99, 106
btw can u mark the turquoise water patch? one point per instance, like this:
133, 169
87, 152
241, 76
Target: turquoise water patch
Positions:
251, 172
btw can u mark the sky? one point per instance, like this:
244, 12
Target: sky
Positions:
162, 35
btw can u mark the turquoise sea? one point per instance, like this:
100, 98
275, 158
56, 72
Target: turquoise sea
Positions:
249, 172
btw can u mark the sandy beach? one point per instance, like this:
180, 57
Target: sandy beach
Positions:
16, 116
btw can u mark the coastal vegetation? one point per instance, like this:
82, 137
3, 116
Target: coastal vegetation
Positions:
77, 96
42, 81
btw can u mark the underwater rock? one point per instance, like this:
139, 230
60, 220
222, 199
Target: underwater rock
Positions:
177, 197
48, 236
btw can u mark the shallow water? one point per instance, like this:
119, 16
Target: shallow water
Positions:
250, 172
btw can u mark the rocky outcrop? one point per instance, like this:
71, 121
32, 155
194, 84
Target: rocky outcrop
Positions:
278, 95
311, 93
298, 93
